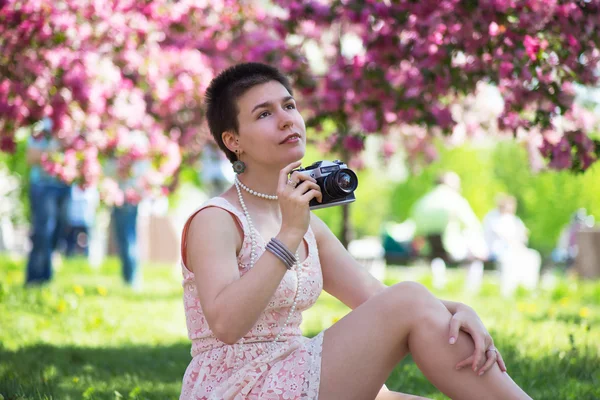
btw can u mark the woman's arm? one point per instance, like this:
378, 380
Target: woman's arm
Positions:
231, 304
343, 277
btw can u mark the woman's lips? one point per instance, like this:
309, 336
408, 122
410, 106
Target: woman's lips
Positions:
293, 139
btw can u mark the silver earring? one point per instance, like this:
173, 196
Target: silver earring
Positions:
238, 166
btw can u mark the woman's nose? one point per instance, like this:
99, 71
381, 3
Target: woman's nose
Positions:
285, 120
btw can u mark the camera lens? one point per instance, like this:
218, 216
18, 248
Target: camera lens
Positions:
344, 181
341, 183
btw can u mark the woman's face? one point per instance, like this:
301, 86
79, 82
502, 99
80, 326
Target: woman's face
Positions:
271, 130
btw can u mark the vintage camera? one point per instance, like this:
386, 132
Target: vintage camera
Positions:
336, 180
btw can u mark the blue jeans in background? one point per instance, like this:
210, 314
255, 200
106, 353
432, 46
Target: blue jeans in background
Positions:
49, 211
78, 238
124, 223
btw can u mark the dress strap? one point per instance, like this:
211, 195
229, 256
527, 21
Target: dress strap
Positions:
219, 202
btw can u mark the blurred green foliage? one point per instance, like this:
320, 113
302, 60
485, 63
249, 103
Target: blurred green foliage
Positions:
17, 165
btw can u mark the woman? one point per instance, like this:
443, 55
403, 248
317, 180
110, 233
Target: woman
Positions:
255, 257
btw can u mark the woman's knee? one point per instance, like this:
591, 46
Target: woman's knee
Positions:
413, 291
414, 298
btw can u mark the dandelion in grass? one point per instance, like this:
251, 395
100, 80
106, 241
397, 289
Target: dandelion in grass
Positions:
101, 290
584, 312
61, 306
564, 301
78, 290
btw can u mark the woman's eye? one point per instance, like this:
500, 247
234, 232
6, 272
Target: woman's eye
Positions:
290, 106
263, 115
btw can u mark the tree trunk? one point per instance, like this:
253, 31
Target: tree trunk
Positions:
587, 262
346, 233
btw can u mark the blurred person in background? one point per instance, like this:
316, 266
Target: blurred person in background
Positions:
124, 214
447, 221
82, 213
451, 230
503, 229
566, 249
49, 200
506, 236
124, 219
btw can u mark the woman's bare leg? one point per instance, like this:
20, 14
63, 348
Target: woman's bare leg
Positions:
360, 350
385, 394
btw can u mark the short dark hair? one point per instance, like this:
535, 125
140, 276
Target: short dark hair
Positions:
224, 90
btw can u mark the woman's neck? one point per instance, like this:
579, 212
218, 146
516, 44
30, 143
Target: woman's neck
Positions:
264, 182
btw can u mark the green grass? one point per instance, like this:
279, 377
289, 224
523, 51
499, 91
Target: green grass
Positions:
87, 336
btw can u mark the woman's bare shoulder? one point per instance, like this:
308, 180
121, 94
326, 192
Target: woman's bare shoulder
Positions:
212, 220
213, 233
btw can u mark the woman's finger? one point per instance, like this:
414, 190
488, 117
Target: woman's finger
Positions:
480, 349
299, 177
305, 186
454, 329
285, 172
467, 361
312, 194
501, 363
492, 356
296, 178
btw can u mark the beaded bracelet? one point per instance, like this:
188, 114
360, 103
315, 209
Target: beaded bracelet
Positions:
282, 252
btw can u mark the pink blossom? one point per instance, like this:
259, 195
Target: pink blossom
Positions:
442, 116
369, 121
109, 67
506, 69
493, 29
111, 193
357, 163
561, 155
532, 47
132, 196
7, 144
389, 149
510, 120
354, 144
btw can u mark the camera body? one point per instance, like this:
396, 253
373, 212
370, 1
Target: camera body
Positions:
336, 180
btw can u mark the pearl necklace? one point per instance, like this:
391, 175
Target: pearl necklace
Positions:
253, 253
247, 189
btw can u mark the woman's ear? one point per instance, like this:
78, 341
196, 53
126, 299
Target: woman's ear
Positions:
231, 141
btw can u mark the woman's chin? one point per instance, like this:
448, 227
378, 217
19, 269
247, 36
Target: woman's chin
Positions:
294, 156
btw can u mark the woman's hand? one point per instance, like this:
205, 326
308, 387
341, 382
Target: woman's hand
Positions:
485, 354
295, 191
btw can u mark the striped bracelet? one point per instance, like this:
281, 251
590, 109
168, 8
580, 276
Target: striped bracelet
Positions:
280, 251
